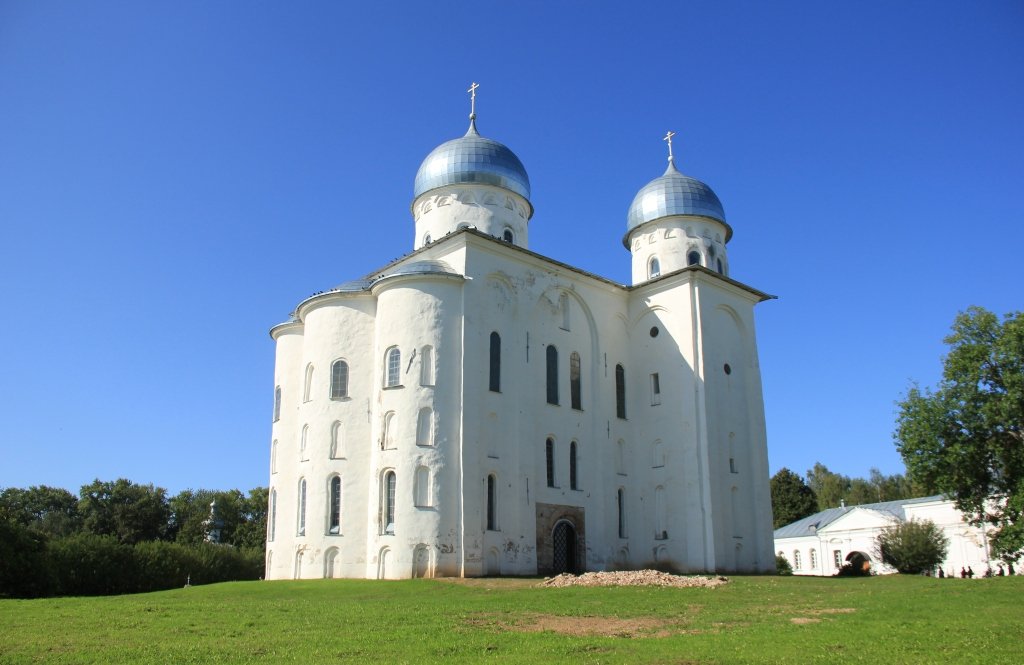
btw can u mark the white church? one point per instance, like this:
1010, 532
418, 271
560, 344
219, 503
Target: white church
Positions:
475, 408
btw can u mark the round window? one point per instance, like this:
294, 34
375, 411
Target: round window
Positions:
728, 370
654, 331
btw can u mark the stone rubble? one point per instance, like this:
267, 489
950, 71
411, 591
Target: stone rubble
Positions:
634, 578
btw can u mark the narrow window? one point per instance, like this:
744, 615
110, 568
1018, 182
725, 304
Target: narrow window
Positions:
387, 439
660, 530
272, 526
620, 392
721, 269
507, 236
425, 427
273, 457
655, 389
796, 559
732, 465
620, 504
563, 305
693, 259
492, 489
549, 459
814, 559
421, 487
573, 483
337, 449
334, 509
426, 239
302, 443
389, 502
427, 366
394, 366
654, 268
495, 382
552, 358
837, 558
620, 457
302, 507
277, 403
309, 383
657, 454
574, 381
339, 379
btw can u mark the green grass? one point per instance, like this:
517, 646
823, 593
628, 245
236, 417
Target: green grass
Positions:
891, 619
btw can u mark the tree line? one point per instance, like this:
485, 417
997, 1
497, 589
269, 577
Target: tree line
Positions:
794, 498
122, 537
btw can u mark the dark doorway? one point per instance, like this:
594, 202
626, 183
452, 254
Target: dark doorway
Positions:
563, 541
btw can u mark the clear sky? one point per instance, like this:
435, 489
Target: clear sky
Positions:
176, 176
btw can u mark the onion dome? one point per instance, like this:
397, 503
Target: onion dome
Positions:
472, 159
674, 194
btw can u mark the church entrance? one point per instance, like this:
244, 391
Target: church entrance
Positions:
563, 542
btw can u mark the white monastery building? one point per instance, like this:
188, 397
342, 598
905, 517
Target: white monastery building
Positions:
821, 543
475, 408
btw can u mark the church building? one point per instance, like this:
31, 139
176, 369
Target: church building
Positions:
475, 408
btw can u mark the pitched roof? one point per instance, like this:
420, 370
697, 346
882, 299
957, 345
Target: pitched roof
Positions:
810, 525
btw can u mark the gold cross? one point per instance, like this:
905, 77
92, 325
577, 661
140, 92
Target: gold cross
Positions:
668, 138
472, 99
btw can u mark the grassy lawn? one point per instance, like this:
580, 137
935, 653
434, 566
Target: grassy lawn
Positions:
752, 619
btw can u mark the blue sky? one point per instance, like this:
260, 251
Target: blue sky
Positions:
176, 176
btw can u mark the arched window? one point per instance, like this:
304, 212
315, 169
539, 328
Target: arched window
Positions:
277, 403
563, 306
575, 396
492, 503
273, 457
421, 487
552, 374
660, 529
334, 506
655, 389
302, 443
495, 380
814, 559
657, 454
721, 268
337, 444
339, 379
573, 471
298, 564
549, 461
306, 395
620, 392
796, 559
389, 502
387, 438
620, 505
425, 427
693, 259
507, 236
272, 522
653, 268
427, 366
330, 558
393, 367
302, 508
426, 239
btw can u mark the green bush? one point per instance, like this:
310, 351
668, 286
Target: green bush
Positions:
782, 566
25, 571
912, 547
89, 565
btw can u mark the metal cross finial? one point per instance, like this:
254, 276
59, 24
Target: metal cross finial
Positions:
472, 99
668, 138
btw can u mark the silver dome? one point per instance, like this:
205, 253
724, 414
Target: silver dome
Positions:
472, 159
673, 194
353, 286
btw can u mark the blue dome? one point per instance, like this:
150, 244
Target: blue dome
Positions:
472, 159
673, 194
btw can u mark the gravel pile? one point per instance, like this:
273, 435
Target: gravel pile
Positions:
634, 578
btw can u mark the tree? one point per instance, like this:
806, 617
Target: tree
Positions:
833, 489
49, 510
132, 513
830, 488
792, 499
912, 547
965, 439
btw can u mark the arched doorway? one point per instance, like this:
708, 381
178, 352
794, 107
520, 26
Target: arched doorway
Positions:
563, 542
420, 561
860, 561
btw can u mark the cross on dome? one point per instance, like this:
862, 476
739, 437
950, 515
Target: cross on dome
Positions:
472, 100
668, 139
